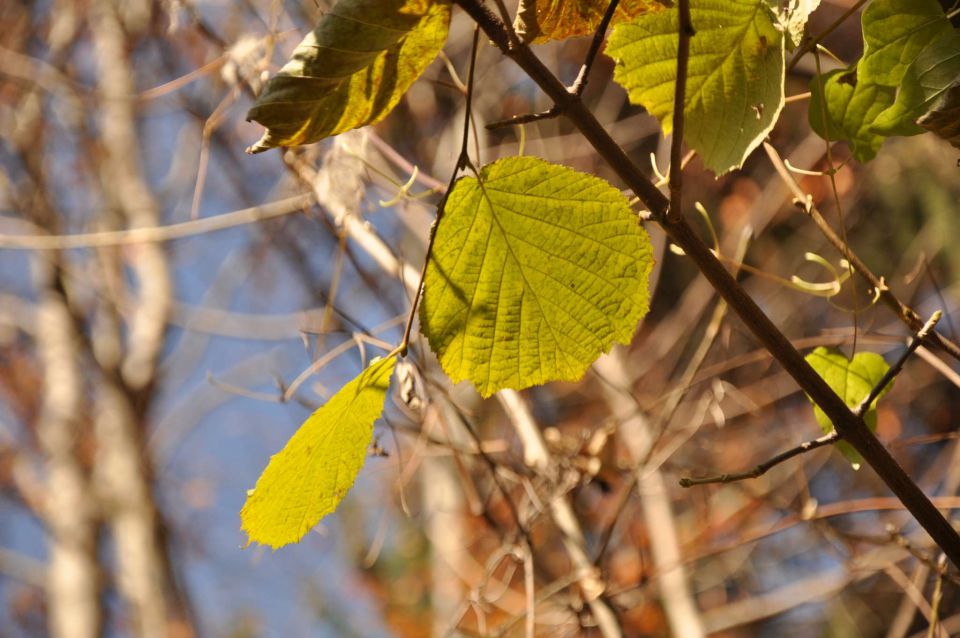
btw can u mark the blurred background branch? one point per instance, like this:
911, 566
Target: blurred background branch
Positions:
149, 366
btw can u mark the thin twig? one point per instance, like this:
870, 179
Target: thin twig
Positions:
937, 596
583, 77
463, 160
766, 466
578, 85
679, 99
832, 176
896, 367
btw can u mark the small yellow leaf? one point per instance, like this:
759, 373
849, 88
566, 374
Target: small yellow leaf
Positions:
308, 478
852, 380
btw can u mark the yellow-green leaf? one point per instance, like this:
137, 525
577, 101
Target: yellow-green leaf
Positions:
850, 106
894, 34
924, 86
852, 380
351, 70
540, 21
309, 477
907, 46
537, 269
735, 74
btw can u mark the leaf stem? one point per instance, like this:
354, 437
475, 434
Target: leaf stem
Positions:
832, 176
896, 367
766, 466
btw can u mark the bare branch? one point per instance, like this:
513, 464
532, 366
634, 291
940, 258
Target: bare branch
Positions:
159, 234
831, 437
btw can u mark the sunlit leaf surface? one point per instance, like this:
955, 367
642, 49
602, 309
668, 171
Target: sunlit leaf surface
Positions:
852, 380
536, 271
735, 74
309, 477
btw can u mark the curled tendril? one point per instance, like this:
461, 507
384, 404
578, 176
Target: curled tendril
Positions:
661, 178
404, 191
825, 289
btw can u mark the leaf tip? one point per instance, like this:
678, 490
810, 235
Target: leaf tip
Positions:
262, 145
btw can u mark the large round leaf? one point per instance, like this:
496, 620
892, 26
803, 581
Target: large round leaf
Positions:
536, 270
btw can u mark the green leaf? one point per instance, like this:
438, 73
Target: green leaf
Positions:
852, 380
536, 270
861, 106
351, 70
308, 478
735, 74
926, 82
851, 106
540, 21
894, 34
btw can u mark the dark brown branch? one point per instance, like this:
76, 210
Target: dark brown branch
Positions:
581, 82
851, 427
679, 100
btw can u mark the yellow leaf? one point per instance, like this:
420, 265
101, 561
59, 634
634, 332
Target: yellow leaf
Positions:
308, 478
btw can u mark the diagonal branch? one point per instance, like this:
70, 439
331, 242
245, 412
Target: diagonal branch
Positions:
851, 427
